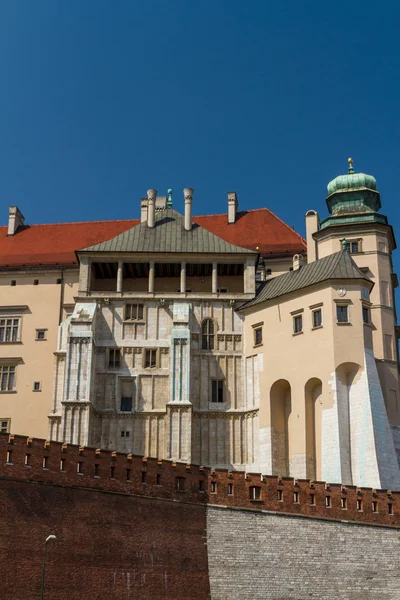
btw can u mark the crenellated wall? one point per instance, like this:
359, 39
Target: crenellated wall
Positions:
130, 527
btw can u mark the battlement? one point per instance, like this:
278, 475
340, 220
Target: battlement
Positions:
36, 460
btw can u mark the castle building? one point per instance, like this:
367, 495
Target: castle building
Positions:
211, 340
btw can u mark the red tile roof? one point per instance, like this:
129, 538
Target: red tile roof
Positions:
55, 244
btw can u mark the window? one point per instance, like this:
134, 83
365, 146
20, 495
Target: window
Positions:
201, 485
280, 495
40, 334
353, 247
342, 313
222, 290
150, 359
128, 474
258, 276
179, 484
207, 335
255, 492
37, 386
5, 425
59, 281
144, 474
298, 324
125, 434
390, 508
258, 336
328, 501
296, 497
13, 282
317, 318
126, 404
10, 329
7, 378
114, 358
217, 390
268, 272
230, 489
36, 282
344, 503
213, 487
312, 499
158, 479
374, 506
365, 314
134, 312
359, 505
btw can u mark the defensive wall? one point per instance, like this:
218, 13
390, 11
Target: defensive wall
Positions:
131, 527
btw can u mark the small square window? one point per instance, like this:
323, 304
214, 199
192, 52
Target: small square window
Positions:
298, 324
114, 358
40, 334
37, 386
317, 318
5, 425
59, 281
217, 390
150, 359
342, 313
258, 336
268, 272
13, 282
36, 282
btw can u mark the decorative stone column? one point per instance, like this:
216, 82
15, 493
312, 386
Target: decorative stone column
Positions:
120, 276
151, 276
84, 276
214, 278
183, 277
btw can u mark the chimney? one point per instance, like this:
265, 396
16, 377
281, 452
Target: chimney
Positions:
297, 262
151, 207
143, 210
188, 195
15, 219
233, 204
312, 226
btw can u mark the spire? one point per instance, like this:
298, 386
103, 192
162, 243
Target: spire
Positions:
351, 170
169, 201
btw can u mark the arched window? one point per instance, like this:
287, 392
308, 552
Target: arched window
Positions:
207, 334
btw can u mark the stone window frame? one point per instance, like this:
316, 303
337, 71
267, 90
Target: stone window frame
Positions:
5, 365
131, 380
10, 317
37, 386
135, 320
110, 351
37, 338
366, 311
5, 425
296, 314
257, 327
208, 335
157, 362
316, 308
216, 380
349, 245
346, 303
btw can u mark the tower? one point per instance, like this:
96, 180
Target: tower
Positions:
354, 203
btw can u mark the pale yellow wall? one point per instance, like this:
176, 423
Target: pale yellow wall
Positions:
315, 353
278, 266
376, 256
28, 410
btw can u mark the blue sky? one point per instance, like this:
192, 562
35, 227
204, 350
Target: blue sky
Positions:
101, 100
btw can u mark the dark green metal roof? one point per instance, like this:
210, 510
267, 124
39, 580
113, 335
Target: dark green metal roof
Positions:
168, 235
337, 266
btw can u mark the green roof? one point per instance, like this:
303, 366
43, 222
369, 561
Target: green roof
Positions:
168, 235
337, 266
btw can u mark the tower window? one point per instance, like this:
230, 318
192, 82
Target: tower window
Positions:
298, 324
258, 338
40, 334
342, 313
366, 314
207, 334
37, 386
317, 318
36, 282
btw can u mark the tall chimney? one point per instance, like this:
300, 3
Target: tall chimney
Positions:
15, 219
151, 207
297, 262
143, 210
188, 195
312, 226
233, 204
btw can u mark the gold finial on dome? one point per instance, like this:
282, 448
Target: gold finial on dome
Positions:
351, 169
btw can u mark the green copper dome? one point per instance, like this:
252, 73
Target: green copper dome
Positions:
351, 181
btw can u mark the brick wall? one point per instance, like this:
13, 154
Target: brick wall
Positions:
37, 460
